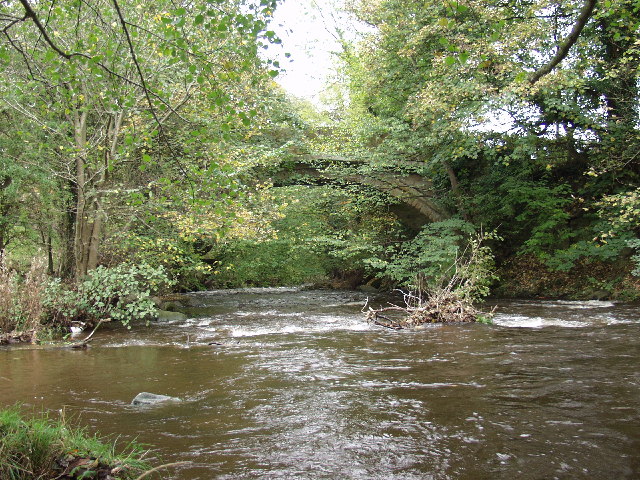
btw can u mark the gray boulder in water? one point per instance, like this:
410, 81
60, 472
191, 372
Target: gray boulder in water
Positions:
167, 316
146, 398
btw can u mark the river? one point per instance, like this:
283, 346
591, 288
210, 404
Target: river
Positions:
287, 383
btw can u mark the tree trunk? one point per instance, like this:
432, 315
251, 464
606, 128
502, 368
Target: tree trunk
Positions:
96, 234
455, 188
81, 235
49, 247
67, 267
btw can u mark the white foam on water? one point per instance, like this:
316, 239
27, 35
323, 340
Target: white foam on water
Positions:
319, 324
277, 313
612, 320
248, 290
582, 304
523, 321
568, 304
390, 384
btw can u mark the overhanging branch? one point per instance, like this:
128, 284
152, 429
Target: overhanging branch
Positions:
30, 13
565, 46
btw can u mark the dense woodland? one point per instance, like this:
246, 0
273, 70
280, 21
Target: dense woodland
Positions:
145, 146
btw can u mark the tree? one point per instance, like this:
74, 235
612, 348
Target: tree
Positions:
25, 192
512, 109
107, 83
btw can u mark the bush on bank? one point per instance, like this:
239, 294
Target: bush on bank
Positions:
121, 293
33, 303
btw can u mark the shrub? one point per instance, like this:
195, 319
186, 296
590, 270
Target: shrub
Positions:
452, 300
443, 252
121, 293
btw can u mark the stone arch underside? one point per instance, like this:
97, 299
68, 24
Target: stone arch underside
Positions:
410, 189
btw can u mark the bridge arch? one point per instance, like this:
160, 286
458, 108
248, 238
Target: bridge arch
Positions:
411, 190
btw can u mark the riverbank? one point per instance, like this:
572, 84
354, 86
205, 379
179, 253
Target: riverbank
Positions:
34, 305
527, 277
44, 447
31, 311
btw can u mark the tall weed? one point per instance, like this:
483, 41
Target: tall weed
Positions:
21, 308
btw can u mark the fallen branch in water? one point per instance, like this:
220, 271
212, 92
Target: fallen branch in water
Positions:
440, 307
85, 343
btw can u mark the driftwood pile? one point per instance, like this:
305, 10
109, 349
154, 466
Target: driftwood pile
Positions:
441, 307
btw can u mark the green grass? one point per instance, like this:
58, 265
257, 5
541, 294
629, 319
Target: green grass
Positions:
43, 448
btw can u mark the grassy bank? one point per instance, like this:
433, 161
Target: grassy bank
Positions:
46, 448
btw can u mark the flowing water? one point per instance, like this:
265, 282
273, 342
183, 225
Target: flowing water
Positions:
284, 383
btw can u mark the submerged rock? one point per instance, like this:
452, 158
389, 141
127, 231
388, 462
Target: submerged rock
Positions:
146, 398
172, 302
164, 315
368, 289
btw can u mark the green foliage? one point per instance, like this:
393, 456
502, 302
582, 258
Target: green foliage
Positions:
121, 293
443, 91
475, 269
178, 257
621, 213
159, 135
268, 263
441, 252
565, 259
539, 210
320, 232
543, 215
132, 104
485, 319
426, 258
25, 191
36, 447
635, 245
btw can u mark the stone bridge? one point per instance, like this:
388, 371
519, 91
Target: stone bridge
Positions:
415, 193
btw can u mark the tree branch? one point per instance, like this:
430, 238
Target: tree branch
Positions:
145, 89
565, 46
29, 12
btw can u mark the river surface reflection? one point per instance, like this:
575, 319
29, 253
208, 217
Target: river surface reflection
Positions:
283, 383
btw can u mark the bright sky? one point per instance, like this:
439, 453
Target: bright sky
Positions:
304, 35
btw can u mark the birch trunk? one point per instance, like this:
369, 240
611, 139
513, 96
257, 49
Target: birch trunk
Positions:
81, 220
